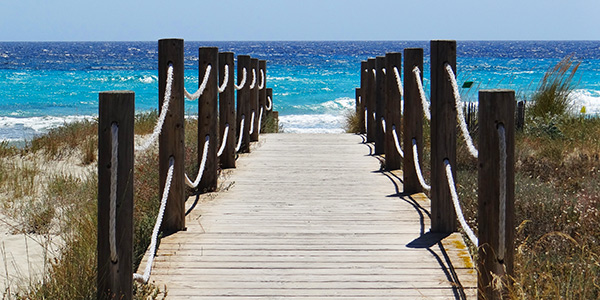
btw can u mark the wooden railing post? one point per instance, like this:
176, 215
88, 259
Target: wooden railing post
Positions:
171, 140
227, 111
254, 99
270, 96
370, 95
208, 117
443, 135
413, 119
393, 111
243, 101
115, 278
360, 110
380, 104
496, 219
262, 93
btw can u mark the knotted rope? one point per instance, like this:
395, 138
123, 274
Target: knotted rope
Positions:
202, 87
460, 115
253, 84
163, 112
225, 79
194, 184
143, 278
399, 82
418, 166
424, 101
457, 209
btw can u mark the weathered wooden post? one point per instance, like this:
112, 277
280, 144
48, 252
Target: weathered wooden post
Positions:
243, 101
171, 140
262, 93
227, 110
496, 219
363, 90
393, 112
370, 95
208, 117
115, 274
443, 135
413, 119
358, 107
254, 110
380, 104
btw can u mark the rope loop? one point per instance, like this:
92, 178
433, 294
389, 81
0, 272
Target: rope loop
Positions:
460, 115
262, 80
424, 101
418, 166
143, 278
457, 209
225, 79
395, 135
253, 84
194, 184
163, 112
269, 104
202, 87
224, 140
243, 82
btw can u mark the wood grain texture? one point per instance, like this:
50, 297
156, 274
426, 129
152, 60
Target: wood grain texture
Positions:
311, 216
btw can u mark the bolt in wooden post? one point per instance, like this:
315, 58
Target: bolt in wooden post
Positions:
243, 101
208, 117
115, 280
254, 100
413, 119
380, 104
171, 140
370, 96
262, 93
496, 219
393, 111
227, 111
443, 135
363, 91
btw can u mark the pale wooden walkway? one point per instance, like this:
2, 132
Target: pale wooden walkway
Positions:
311, 217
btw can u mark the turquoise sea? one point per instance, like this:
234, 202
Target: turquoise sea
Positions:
45, 84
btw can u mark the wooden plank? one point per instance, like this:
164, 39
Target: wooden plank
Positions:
323, 225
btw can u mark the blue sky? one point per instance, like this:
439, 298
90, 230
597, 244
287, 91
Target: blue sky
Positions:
237, 20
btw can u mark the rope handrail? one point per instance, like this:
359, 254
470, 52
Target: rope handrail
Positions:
395, 135
418, 166
239, 143
269, 104
502, 192
399, 81
224, 140
253, 84
202, 87
424, 101
384, 71
262, 80
457, 209
366, 117
194, 184
260, 118
163, 112
374, 73
383, 124
252, 122
114, 163
243, 82
225, 79
143, 278
460, 115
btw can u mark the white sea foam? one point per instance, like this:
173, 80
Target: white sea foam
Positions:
322, 123
590, 99
19, 129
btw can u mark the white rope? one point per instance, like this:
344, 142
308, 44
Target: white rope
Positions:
163, 203
239, 143
163, 112
260, 118
366, 118
202, 87
418, 166
395, 135
252, 123
502, 192
114, 163
224, 141
424, 101
460, 115
399, 82
253, 84
383, 124
384, 71
359, 100
262, 80
225, 79
243, 82
374, 117
457, 209
375, 73
194, 184
269, 105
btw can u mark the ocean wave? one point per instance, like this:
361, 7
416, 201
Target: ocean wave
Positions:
338, 106
321, 123
19, 129
590, 99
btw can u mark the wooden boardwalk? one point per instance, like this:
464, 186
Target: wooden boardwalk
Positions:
311, 217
